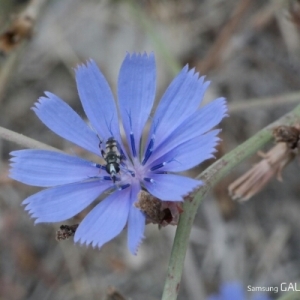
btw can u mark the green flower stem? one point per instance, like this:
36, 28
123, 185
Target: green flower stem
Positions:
24, 141
210, 177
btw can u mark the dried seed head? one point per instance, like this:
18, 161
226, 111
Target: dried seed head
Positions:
159, 212
272, 164
66, 231
287, 134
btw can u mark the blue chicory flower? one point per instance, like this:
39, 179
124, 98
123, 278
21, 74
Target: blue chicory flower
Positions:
235, 291
179, 139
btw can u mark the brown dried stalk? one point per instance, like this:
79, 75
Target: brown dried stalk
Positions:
272, 164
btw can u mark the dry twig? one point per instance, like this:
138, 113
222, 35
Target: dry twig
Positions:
213, 56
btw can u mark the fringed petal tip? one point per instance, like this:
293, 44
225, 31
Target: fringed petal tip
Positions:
192, 73
134, 250
38, 103
221, 107
136, 55
33, 215
197, 76
217, 141
25, 203
86, 64
87, 243
83, 241
135, 242
47, 96
13, 154
43, 100
211, 156
37, 220
13, 168
13, 164
195, 188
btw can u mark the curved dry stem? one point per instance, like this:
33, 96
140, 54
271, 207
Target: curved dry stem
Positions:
265, 102
24, 141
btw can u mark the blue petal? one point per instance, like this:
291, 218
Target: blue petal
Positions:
97, 100
232, 291
106, 220
47, 168
136, 91
136, 223
188, 155
170, 187
63, 202
200, 122
179, 102
65, 122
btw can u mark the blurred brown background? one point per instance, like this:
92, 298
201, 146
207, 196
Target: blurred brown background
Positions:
248, 49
